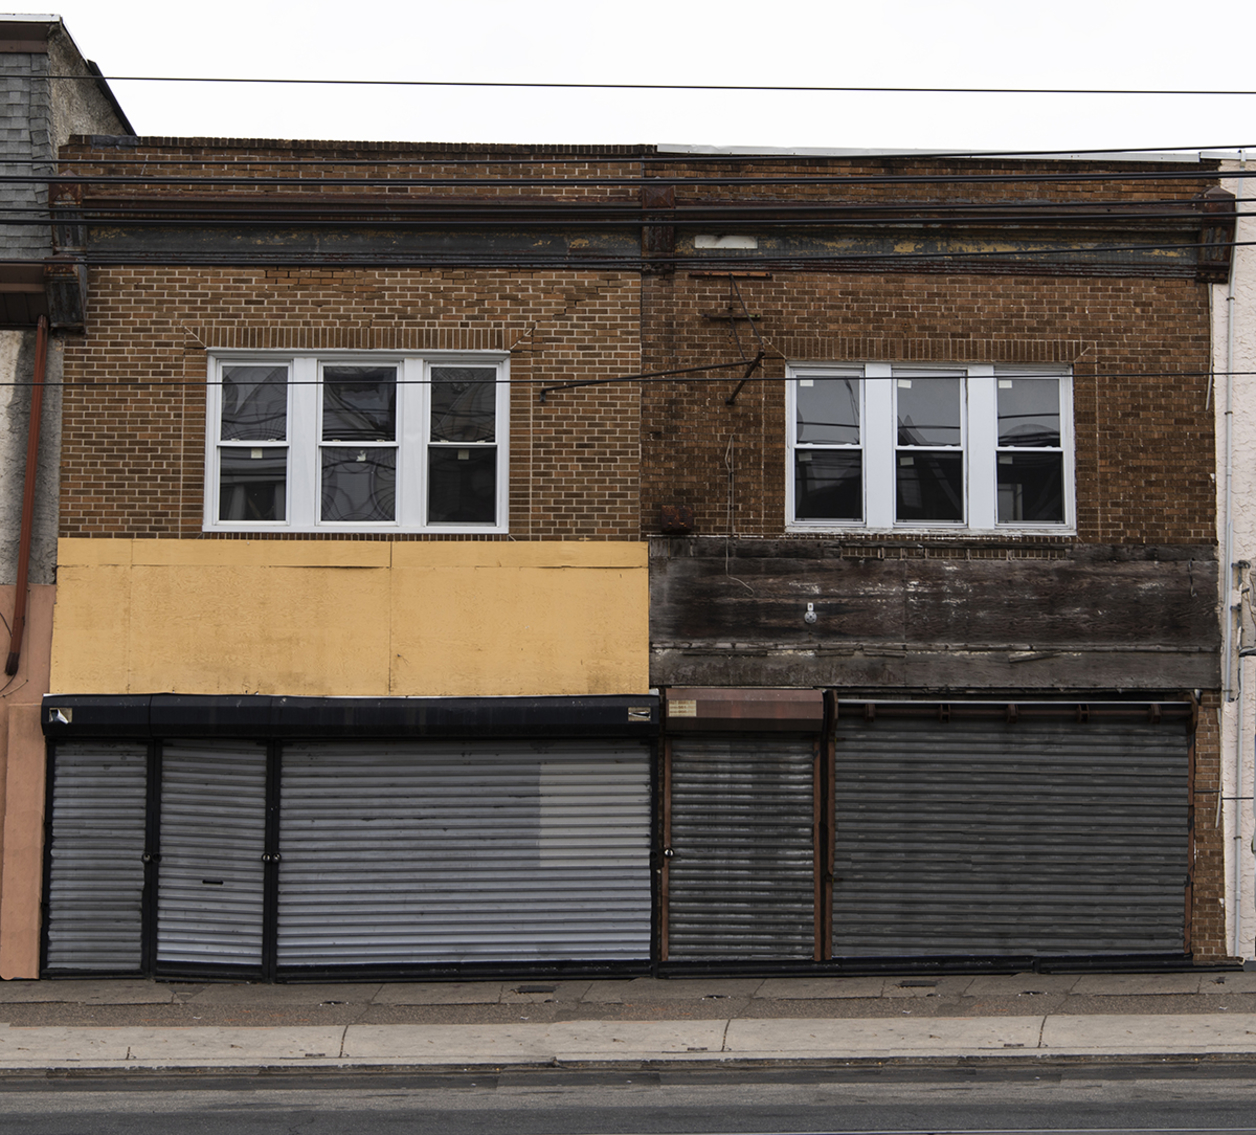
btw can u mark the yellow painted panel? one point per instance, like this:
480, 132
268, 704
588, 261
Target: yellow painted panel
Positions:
91, 628
243, 629
517, 631
87, 553
285, 617
264, 553
260, 553
528, 553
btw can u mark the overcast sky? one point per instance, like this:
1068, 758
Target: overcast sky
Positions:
1150, 44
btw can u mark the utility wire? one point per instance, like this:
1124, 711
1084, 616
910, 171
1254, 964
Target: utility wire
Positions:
229, 177
815, 370
752, 88
765, 261
651, 154
240, 206
727, 219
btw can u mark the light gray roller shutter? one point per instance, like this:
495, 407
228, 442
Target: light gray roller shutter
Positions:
96, 864
741, 880
984, 837
213, 815
454, 851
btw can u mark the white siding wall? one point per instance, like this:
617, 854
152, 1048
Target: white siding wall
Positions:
1237, 816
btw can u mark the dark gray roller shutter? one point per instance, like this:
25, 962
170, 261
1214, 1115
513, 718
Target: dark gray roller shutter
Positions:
213, 815
988, 837
453, 851
96, 857
741, 880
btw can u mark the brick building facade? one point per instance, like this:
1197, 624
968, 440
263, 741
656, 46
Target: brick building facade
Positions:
740, 561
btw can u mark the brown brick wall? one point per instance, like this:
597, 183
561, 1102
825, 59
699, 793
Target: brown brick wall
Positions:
893, 181
1139, 349
195, 169
1207, 913
133, 458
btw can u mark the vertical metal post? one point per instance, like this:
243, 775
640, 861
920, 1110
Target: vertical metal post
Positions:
150, 904
271, 861
665, 838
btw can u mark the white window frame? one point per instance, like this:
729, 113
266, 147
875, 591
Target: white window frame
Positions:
304, 440
879, 446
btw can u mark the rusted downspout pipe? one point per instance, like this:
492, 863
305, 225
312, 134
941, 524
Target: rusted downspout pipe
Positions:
28, 496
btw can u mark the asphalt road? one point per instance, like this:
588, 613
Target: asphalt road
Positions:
966, 1096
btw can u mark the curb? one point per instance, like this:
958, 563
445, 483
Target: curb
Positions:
696, 1063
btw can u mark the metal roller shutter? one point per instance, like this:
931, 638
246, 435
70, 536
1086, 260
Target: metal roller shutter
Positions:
990, 837
96, 857
448, 851
213, 816
741, 880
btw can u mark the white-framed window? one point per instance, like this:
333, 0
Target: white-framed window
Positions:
366, 441
892, 446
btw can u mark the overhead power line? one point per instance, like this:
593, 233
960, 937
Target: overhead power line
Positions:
686, 374
228, 177
268, 258
754, 88
505, 155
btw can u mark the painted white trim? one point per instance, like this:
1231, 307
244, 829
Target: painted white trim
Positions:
304, 439
979, 433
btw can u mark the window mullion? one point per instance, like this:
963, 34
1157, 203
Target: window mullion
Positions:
501, 437
878, 439
412, 458
982, 461
1066, 444
213, 416
303, 460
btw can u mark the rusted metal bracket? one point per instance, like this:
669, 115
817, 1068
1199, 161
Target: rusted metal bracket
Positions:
751, 364
1216, 235
751, 367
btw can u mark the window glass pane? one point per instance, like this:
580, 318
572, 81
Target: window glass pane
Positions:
252, 484
254, 403
359, 403
359, 483
928, 410
464, 403
1029, 411
1031, 488
828, 410
462, 485
930, 486
828, 484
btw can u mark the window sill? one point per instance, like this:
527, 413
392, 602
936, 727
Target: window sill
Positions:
933, 532
358, 530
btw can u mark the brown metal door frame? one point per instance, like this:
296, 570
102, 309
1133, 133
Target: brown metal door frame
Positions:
665, 851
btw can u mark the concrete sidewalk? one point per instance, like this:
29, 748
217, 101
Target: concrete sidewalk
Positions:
143, 1025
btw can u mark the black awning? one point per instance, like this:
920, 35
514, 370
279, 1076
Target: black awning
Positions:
264, 716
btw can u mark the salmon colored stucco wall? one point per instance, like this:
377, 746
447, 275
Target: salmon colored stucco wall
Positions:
350, 618
22, 765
